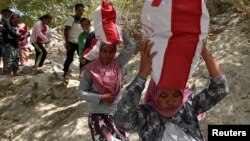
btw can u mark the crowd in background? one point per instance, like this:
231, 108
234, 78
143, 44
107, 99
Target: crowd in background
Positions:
17, 40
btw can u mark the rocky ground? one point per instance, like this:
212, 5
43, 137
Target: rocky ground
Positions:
39, 106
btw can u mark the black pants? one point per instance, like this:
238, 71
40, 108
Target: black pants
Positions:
70, 56
41, 54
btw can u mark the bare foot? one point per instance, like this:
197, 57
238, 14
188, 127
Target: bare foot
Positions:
65, 78
16, 74
10, 75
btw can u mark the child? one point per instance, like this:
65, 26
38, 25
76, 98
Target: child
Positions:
6, 14
100, 87
85, 24
10, 40
168, 114
39, 37
24, 49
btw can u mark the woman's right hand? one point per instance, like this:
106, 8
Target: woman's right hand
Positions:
108, 98
146, 58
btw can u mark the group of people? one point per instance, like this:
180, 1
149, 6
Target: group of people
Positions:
15, 38
14, 41
77, 38
166, 115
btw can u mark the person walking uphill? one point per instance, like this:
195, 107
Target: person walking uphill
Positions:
85, 24
24, 49
6, 14
10, 42
71, 33
100, 87
168, 114
40, 35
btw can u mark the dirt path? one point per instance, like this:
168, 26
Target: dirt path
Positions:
38, 106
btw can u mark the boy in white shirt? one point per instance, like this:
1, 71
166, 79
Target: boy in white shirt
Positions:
71, 33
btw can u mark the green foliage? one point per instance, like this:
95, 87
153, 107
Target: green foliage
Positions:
31, 10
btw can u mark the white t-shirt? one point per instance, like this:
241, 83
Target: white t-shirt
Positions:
75, 29
37, 32
174, 133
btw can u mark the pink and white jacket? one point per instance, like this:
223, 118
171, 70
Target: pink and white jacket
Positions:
39, 32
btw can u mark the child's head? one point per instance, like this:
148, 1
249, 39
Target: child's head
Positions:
107, 53
79, 9
85, 24
6, 13
15, 20
46, 19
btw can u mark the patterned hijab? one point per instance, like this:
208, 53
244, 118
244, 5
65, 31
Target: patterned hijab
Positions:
152, 95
